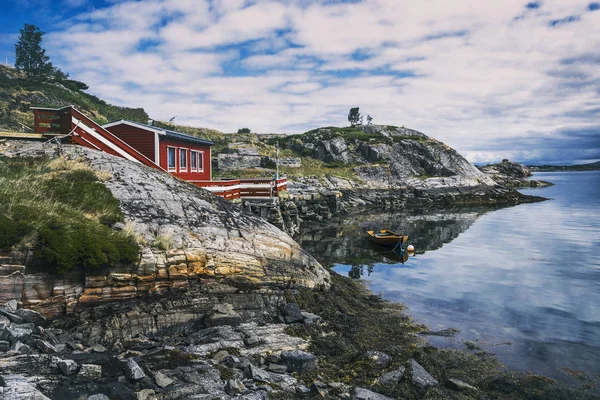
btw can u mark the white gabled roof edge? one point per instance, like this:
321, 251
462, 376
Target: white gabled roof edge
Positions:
139, 126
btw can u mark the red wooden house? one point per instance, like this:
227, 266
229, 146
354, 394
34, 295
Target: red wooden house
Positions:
185, 156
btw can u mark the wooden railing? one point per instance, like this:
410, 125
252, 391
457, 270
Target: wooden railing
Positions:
228, 190
254, 188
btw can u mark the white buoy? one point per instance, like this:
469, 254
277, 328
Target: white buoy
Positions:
410, 248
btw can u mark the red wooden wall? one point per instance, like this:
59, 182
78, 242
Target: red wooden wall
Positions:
139, 139
180, 144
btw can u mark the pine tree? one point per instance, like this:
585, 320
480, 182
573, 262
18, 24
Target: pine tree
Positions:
30, 57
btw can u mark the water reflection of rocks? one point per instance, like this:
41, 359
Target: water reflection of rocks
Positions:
344, 240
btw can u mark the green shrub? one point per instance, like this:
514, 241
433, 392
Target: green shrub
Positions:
63, 215
75, 85
11, 231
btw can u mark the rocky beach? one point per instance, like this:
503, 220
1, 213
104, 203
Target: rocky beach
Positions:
229, 307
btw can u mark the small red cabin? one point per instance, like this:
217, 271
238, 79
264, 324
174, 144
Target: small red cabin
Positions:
185, 156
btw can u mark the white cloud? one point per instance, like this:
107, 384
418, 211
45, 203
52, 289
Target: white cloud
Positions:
483, 73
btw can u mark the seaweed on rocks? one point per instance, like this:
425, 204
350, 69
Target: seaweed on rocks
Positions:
356, 322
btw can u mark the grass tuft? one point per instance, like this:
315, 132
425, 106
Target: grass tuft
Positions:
163, 242
61, 211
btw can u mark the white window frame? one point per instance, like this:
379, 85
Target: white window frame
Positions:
168, 167
200, 164
187, 164
193, 166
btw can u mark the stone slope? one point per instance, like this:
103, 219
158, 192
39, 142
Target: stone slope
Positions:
387, 156
207, 239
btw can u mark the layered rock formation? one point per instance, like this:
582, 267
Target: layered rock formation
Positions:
186, 235
511, 174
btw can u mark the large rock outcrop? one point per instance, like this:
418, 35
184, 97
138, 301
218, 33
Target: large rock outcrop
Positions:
508, 168
187, 235
512, 175
388, 156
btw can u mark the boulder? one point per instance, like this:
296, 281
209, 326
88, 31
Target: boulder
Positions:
391, 378
90, 371
99, 349
381, 359
18, 387
11, 305
231, 361
67, 367
220, 355
299, 361
319, 389
133, 371
162, 380
4, 345
302, 389
4, 322
223, 314
144, 394
234, 387
420, 377
31, 316
22, 348
459, 385
365, 394
45, 347
311, 319
12, 316
258, 374
277, 368
292, 313
98, 397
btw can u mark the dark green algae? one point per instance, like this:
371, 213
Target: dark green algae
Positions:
357, 321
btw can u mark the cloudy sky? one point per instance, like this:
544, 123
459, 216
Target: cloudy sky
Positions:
494, 79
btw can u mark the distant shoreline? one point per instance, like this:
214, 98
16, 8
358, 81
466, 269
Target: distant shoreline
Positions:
564, 168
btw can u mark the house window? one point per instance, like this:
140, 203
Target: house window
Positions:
194, 160
200, 161
182, 159
171, 158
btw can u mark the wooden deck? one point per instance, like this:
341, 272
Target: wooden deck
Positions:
20, 135
245, 189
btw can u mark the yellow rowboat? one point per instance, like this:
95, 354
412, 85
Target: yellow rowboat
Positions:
387, 238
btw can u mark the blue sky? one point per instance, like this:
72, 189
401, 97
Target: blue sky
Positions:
495, 79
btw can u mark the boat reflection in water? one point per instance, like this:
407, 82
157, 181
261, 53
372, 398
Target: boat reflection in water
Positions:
385, 254
343, 240
390, 255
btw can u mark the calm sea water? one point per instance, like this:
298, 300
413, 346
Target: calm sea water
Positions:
522, 282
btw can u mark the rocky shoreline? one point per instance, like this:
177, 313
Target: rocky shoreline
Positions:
319, 205
343, 343
235, 309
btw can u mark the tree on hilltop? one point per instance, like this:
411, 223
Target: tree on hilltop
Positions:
354, 116
31, 58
